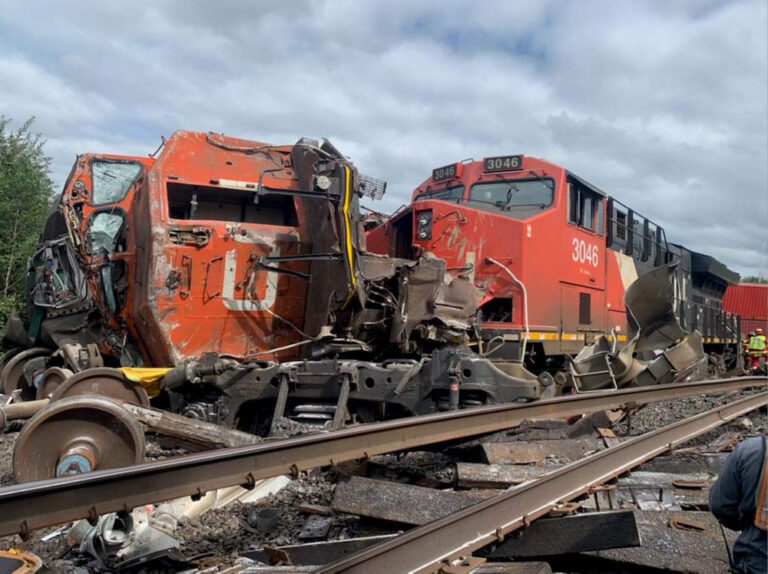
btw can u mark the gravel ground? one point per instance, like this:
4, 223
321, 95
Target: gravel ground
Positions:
225, 532
655, 415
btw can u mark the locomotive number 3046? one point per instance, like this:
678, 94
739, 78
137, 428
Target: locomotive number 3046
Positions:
584, 252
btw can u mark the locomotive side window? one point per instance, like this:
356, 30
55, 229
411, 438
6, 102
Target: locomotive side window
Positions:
621, 224
200, 202
112, 180
585, 207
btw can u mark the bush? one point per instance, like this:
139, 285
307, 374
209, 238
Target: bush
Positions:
25, 196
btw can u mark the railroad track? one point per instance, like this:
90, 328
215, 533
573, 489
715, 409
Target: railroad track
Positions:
450, 541
29, 506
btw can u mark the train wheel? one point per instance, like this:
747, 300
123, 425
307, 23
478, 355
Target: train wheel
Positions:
8, 355
51, 379
76, 435
104, 382
13, 377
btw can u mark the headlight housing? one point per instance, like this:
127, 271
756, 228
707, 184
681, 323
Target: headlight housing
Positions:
424, 224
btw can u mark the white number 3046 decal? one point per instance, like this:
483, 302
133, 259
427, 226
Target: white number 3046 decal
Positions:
584, 252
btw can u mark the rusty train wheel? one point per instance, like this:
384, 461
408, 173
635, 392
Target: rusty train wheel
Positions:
12, 375
101, 381
51, 379
76, 435
8, 355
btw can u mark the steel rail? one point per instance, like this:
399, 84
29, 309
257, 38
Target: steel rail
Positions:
29, 506
452, 539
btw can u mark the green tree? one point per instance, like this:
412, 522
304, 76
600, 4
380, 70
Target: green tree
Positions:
754, 279
25, 194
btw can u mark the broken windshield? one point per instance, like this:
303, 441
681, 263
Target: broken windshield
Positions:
112, 180
104, 232
511, 194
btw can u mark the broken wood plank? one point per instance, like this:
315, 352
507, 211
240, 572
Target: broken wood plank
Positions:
513, 568
316, 528
536, 452
318, 553
649, 479
189, 430
568, 534
641, 487
587, 425
398, 502
476, 475
725, 442
602, 499
315, 509
686, 463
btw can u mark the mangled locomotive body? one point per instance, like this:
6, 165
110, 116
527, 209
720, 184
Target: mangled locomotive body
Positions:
240, 268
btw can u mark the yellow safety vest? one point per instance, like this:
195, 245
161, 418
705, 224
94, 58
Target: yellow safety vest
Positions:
757, 343
761, 496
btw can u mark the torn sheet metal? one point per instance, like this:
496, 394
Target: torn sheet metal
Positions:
596, 367
651, 303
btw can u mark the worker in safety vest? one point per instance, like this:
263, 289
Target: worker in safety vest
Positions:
757, 342
739, 500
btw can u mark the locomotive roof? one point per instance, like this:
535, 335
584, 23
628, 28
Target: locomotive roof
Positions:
702, 263
585, 183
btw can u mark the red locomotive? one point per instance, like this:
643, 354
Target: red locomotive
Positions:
554, 256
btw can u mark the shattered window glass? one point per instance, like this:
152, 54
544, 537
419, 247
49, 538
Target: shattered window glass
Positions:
104, 232
109, 288
111, 180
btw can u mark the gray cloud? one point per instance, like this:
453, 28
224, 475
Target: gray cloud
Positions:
661, 104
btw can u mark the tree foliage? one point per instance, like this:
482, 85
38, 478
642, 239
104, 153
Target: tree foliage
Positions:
25, 194
754, 279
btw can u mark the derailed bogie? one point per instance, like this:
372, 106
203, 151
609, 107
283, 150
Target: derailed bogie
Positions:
328, 393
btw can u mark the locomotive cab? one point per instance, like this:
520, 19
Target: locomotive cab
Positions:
81, 276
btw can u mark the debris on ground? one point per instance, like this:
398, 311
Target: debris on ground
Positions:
364, 501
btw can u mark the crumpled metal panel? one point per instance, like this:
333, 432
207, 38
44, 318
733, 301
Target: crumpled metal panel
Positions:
651, 305
428, 294
598, 366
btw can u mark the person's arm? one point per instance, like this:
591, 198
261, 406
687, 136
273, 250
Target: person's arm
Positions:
725, 495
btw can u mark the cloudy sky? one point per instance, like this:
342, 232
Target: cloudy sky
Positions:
659, 103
